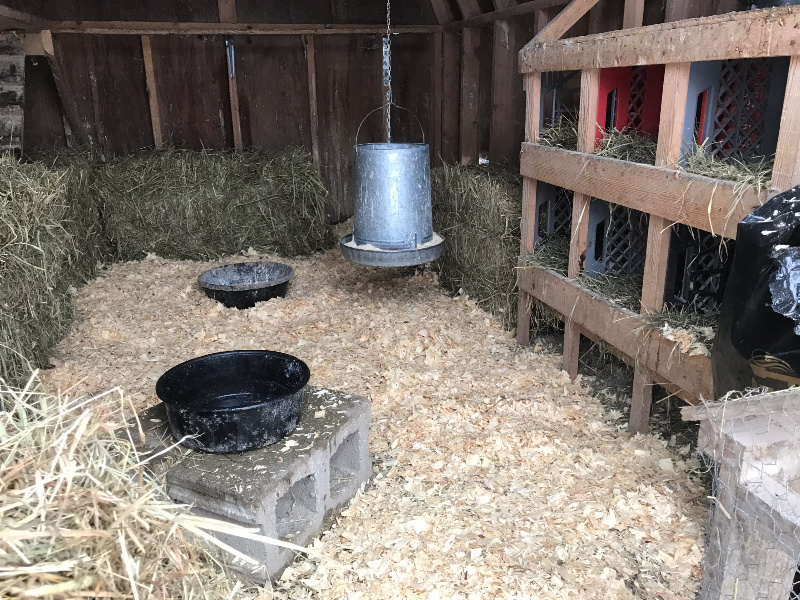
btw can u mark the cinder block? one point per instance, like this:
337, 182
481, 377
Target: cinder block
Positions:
288, 490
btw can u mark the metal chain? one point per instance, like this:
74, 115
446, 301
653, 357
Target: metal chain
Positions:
387, 69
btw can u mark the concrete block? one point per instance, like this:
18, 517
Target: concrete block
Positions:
288, 490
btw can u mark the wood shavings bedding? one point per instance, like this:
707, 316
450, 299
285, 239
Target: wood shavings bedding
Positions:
496, 476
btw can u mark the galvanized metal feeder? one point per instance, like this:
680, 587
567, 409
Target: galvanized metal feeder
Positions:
393, 226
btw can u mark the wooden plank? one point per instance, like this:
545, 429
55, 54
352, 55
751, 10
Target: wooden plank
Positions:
32, 44
443, 12
621, 328
673, 102
587, 122
564, 21
641, 401
169, 28
470, 75
676, 10
451, 98
17, 19
152, 91
311, 69
697, 201
752, 34
227, 11
502, 149
634, 14
526, 8
43, 124
438, 82
786, 173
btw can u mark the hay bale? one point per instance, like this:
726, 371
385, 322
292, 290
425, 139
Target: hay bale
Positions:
50, 240
478, 210
198, 205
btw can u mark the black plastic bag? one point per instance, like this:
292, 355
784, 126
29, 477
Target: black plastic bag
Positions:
757, 343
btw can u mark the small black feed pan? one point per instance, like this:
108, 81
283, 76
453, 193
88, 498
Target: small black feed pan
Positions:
234, 401
241, 285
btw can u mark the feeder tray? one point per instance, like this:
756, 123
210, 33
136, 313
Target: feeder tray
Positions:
372, 256
241, 285
233, 401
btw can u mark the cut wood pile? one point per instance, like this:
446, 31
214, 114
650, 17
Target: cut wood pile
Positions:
495, 475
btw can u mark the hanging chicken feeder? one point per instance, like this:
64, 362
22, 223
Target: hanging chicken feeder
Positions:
393, 226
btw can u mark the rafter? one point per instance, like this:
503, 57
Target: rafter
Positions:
526, 8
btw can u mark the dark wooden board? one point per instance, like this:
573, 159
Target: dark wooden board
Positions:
44, 125
105, 94
202, 11
412, 88
485, 89
273, 91
348, 87
412, 12
191, 76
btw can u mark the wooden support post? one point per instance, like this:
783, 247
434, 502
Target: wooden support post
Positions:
677, 10
634, 14
470, 73
786, 172
313, 110
152, 92
587, 124
451, 98
227, 11
504, 73
562, 23
673, 109
441, 9
438, 82
469, 8
533, 107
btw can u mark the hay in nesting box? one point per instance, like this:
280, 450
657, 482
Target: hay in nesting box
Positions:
82, 516
628, 144
50, 240
478, 210
622, 289
562, 134
187, 205
551, 253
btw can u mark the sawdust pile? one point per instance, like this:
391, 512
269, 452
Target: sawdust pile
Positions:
496, 477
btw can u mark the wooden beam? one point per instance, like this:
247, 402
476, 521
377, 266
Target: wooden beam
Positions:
677, 10
504, 74
451, 98
17, 19
533, 107
470, 73
634, 14
708, 204
587, 122
443, 12
623, 329
167, 28
32, 44
469, 8
438, 82
152, 91
564, 21
227, 11
753, 34
526, 8
786, 173
313, 107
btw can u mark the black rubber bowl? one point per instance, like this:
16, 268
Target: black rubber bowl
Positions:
241, 285
234, 401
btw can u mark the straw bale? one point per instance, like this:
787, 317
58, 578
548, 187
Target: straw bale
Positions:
495, 475
187, 204
478, 210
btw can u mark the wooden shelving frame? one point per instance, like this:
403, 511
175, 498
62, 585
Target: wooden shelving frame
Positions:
667, 195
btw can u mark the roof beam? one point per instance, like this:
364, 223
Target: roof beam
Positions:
16, 19
526, 8
441, 9
166, 28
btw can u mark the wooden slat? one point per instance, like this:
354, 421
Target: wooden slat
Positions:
17, 19
526, 8
470, 73
694, 200
227, 14
166, 28
786, 173
311, 67
676, 10
504, 73
587, 122
443, 12
753, 34
451, 97
634, 14
621, 328
152, 91
227, 11
564, 21
469, 8
438, 82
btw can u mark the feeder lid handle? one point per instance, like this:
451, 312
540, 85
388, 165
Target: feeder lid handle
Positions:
383, 106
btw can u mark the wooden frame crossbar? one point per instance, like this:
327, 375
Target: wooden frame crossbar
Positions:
668, 195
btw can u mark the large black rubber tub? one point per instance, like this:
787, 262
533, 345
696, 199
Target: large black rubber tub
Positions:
234, 401
241, 285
